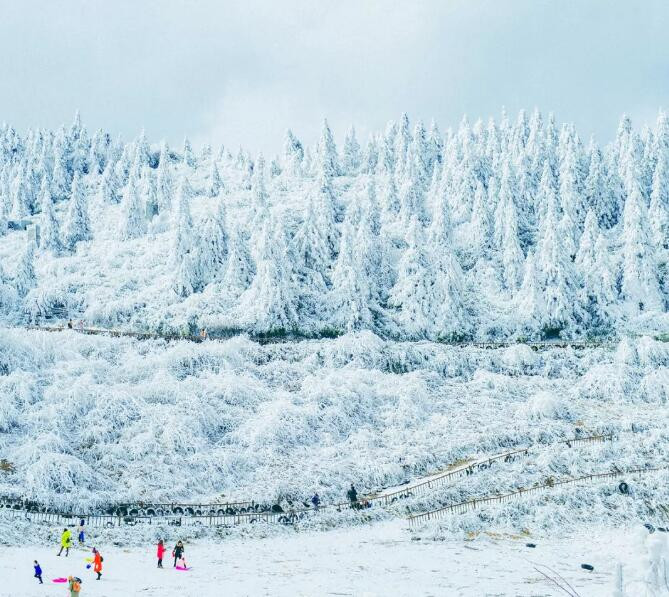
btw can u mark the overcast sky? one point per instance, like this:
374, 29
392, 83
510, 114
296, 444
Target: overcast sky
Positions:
242, 72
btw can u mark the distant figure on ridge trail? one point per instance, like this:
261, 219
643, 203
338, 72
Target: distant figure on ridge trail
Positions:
38, 572
70, 324
352, 496
316, 501
160, 552
65, 542
203, 334
178, 552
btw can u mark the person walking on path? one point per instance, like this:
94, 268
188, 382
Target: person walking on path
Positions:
352, 496
97, 563
74, 585
65, 542
160, 552
178, 552
38, 572
316, 501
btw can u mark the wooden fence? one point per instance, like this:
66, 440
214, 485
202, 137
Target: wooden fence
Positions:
476, 503
233, 513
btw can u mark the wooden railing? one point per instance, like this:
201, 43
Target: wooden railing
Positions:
470, 467
232, 513
475, 503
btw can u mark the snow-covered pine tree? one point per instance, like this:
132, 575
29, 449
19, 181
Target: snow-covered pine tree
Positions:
529, 301
558, 279
274, 167
50, 239
351, 158
402, 142
269, 305
25, 278
184, 240
511, 253
391, 200
481, 241
371, 156
293, 154
188, 155
77, 222
149, 192
240, 267
640, 284
214, 184
436, 145
413, 293
313, 264
387, 150
213, 247
108, 191
164, 182
595, 270
659, 199
22, 200
327, 152
350, 294
133, 211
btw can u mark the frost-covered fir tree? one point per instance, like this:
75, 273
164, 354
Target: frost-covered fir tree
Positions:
133, 211
352, 158
164, 181
558, 280
312, 263
50, 239
270, 303
327, 211
214, 184
108, 191
240, 267
659, 200
391, 200
512, 257
25, 278
481, 224
77, 222
640, 284
188, 155
22, 204
327, 152
185, 262
371, 156
595, 270
349, 298
387, 149
213, 247
529, 303
149, 192
293, 154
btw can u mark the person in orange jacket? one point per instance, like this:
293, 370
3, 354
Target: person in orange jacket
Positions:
97, 563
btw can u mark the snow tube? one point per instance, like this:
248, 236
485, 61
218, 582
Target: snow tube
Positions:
530, 544
183, 568
624, 488
61, 579
650, 527
587, 567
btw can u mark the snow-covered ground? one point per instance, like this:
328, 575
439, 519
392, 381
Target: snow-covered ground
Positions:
380, 560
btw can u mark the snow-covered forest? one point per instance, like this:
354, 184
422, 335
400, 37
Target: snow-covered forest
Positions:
516, 228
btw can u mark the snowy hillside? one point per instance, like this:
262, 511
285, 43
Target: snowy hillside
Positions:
93, 420
497, 230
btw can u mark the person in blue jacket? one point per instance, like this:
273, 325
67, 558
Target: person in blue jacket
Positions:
38, 572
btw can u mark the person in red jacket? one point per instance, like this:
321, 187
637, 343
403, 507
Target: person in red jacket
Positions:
160, 553
97, 563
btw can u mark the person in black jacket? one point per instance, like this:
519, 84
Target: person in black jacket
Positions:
352, 496
178, 552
